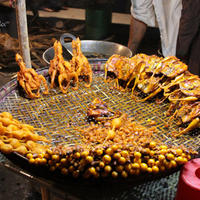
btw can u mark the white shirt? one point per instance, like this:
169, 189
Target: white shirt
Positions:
164, 14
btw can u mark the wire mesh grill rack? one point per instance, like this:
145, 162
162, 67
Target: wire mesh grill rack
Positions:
58, 115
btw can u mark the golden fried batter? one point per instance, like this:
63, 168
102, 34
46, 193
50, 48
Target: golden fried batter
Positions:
18, 137
80, 63
153, 75
29, 80
62, 70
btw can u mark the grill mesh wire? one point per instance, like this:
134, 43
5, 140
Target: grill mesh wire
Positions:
58, 115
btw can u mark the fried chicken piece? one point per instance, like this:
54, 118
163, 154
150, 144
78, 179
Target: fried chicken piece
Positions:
53, 69
29, 80
80, 63
159, 72
190, 87
149, 76
113, 65
152, 63
62, 70
172, 66
122, 68
152, 75
186, 106
186, 85
189, 112
66, 75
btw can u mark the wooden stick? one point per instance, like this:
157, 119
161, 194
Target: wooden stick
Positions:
23, 31
45, 193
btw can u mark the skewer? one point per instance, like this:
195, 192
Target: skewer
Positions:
22, 29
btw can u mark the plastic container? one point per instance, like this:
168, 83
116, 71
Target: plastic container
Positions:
98, 21
189, 181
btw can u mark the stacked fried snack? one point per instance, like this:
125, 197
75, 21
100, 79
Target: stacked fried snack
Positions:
66, 71
153, 75
18, 137
29, 80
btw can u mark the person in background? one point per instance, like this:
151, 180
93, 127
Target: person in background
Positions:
164, 14
188, 42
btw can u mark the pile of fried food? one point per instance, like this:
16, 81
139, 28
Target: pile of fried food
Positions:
65, 71
113, 148
116, 146
155, 76
60, 71
18, 137
150, 75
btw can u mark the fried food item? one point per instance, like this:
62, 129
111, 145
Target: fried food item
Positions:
80, 63
122, 69
127, 131
16, 136
172, 66
158, 72
120, 148
112, 66
29, 80
153, 75
65, 72
190, 87
98, 111
129, 151
61, 70
188, 111
183, 94
149, 76
53, 69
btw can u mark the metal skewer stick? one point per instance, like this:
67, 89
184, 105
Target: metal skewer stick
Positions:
23, 31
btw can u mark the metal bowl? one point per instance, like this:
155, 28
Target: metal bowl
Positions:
92, 49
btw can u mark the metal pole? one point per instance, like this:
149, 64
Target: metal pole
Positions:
23, 31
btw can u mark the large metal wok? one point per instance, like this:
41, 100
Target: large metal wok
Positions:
92, 49
56, 110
